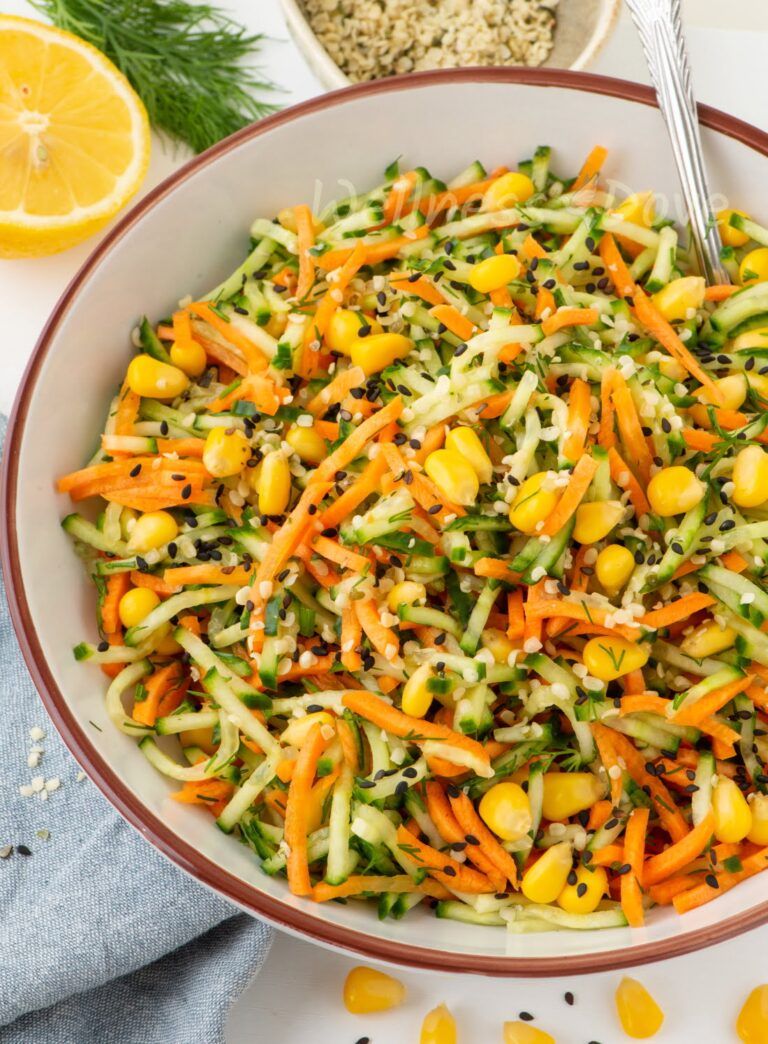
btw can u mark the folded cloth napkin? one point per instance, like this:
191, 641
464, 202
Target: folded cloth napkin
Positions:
102, 940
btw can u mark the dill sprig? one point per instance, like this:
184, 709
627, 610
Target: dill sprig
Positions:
185, 60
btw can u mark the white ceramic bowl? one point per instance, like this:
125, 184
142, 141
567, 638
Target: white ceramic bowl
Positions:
184, 237
581, 30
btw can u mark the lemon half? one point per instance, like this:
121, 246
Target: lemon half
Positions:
74, 139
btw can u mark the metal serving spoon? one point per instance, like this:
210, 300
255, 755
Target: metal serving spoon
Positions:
659, 24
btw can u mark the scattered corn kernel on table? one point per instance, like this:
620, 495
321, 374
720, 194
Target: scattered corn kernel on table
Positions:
700, 994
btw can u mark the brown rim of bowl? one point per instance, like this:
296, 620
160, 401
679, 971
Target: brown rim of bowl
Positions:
276, 911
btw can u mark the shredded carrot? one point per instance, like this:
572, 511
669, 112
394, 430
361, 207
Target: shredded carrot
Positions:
305, 230
336, 389
623, 477
630, 428
116, 587
608, 756
591, 168
383, 639
156, 686
297, 811
567, 316
670, 816
348, 267
677, 856
154, 583
634, 854
453, 320
697, 712
254, 357
618, 272
678, 610
720, 292
575, 491
442, 815
362, 884
420, 287
396, 203
462, 877
704, 893
578, 420
127, 411
473, 825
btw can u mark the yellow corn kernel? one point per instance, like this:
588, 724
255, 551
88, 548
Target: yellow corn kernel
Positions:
417, 699
675, 490
276, 324
533, 503
189, 356
754, 267
613, 567
758, 382
344, 329
453, 475
492, 273
639, 1014
566, 793
708, 639
680, 298
584, 895
298, 729
308, 443
507, 190
750, 477
729, 235
378, 350
608, 658
367, 990
406, 593
595, 520
167, 646
637, 209
757, 338
525, 1033
438, 1027
758, 832
506, 810
733, 817
498, 644
466, 442
752, 1023
151, 530
547, 877
202, 738
672, 368
152, 379
733, 391
274, 484
225, 452
136, 604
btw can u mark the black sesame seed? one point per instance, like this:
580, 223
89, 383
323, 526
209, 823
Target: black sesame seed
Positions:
410, 772
449, 871
569, 998
186, 491
471, 839
366, 784
712, 881
401, 787
666, 427
581, 890
135, 471
525, 1016
102, 646
23, 850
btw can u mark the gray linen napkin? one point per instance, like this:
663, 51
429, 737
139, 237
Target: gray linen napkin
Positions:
102, 940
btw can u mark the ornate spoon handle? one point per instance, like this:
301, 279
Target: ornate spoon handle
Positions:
659, 25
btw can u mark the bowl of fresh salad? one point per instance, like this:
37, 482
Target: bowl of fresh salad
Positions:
385, 521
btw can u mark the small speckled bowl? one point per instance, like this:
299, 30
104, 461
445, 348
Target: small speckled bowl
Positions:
583, 26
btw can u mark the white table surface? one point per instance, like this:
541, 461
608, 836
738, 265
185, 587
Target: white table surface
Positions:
297, 997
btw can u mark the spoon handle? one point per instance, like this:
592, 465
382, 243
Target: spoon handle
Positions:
659, 25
